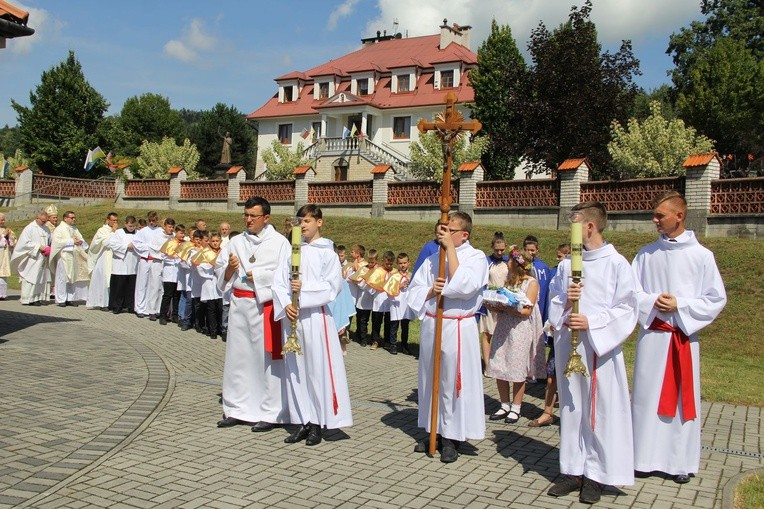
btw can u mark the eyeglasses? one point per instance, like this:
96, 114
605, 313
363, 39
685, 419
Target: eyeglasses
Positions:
252, 216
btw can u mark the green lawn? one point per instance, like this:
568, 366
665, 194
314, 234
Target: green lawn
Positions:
750, 493
732, 361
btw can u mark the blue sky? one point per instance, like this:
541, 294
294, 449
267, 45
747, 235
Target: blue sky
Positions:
200, 53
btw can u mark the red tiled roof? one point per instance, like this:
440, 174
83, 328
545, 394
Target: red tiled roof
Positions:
13, 13
381, 168
292, 75
21, 168
301, 170
572, 164
700, 160
470, 166
233, 170
382, 56
174, 170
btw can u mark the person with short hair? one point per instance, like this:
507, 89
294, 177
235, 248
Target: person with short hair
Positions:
140, 243
400, 313
100, 264
461, 411
317, 388
225, 233
595, 414
680, 291
30, 260
254, 388
69, 260
123, 268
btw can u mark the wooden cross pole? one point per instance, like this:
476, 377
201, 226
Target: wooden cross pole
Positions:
449, 126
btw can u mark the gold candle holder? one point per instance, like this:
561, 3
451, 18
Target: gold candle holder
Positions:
292, 345
575, 362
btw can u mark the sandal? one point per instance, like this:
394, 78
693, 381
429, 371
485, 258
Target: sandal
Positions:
499, 415
512, 417
538, 423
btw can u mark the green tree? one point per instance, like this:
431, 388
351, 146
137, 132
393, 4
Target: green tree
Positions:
208, 131
724, 97
643, 102
63, 120
740, 20
427, 155
655, 147
280, 162
156, 159
146, 118
10, 140
500, 84
576, 93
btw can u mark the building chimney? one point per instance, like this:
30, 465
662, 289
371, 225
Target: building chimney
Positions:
458, 34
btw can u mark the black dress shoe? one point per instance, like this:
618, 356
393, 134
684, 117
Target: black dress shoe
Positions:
501, 414
62, 305
227, 422
405, 349
153, 318
681, 479
424, 445
314, 435
163, 321
448, 453
591, 492
299, 435
261, 426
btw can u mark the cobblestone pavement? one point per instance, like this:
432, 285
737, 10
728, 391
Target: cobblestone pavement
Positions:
103, 410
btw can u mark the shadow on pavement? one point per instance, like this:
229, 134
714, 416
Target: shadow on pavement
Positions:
526, 451
14, 321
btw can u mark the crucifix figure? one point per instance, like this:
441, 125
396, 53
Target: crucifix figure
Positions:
449, 126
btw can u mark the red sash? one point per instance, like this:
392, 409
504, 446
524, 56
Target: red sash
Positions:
678, 372
271, 328
458, 347
335, 404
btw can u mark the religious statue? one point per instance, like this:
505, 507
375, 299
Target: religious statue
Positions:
225, 156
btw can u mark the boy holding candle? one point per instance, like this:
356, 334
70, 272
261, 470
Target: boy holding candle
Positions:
317, 390
595, 415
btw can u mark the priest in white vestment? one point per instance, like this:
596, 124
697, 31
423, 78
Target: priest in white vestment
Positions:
225, 234
595, 412
7, 241
254, 389
100, 263
461, 410
680, 291
140, 242
30, 261
69, 260
317, 389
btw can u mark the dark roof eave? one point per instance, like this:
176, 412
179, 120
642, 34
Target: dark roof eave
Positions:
10, 30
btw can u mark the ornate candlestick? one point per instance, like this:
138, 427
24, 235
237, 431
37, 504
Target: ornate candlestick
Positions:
575, 363
292, 345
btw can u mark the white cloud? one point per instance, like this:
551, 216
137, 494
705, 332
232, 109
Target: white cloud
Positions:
341, 11
44, 26
194, 41
615, 20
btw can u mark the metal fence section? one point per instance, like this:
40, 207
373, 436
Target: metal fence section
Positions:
737, 196
340, 192
147, 188
418, 193
273, 191
204, 189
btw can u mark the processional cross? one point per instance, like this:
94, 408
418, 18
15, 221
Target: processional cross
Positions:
449, 126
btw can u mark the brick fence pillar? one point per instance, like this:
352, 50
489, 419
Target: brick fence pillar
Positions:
382, 175
120, 186
303, 175
702, 169
571, 174
23, 186
469, 175
177, 175
236, 175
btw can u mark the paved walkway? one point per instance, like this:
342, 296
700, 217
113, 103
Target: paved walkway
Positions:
103, 410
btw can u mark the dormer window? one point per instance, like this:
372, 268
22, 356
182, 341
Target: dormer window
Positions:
323, 90
288, 91
363, 87
403, 83
447, 79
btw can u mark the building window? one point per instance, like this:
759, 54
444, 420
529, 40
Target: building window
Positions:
288, 94
323, 90
363, 87
403, 83
316, 127
285, 134
447, 79
401, 128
